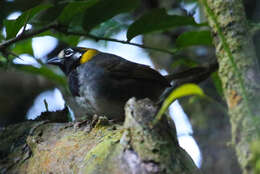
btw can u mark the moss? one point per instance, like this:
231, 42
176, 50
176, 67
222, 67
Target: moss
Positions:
255, 160
63, 148
96, 158
71, 148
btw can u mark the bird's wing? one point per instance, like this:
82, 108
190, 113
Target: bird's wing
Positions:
121, 68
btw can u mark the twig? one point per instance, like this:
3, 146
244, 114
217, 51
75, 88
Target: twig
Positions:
25, 24
46, 105
31, 33
97, 38
26, 35
13, 54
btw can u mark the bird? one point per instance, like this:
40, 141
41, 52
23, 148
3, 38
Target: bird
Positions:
101, 83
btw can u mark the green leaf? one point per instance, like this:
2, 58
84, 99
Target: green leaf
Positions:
3, 60
184, 62
51, 14
73, 9
1, 37
43, 71
23, 47
13, 26
106, 9
193, 38
158, 20
10, 28
69, 39
182, 91
108, 28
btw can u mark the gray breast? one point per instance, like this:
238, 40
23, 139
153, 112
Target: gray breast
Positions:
104, 94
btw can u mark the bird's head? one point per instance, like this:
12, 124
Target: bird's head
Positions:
69, 58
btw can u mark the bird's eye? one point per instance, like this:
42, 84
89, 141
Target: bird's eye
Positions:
68, 52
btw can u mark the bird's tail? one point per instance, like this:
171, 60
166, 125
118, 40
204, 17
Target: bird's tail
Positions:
193, 75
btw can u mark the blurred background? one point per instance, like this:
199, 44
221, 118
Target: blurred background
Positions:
27, 84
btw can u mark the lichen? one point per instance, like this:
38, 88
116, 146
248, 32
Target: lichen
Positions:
236, 55
96, 158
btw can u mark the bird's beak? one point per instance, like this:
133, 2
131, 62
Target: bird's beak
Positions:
54, 61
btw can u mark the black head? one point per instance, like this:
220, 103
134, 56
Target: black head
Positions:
69, 58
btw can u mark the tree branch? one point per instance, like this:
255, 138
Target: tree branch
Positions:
55, 26
26, 35
97, 38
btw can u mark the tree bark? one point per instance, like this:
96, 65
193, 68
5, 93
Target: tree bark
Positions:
97, 147
238, 71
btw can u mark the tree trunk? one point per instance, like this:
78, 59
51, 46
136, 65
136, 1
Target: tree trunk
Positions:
238, 71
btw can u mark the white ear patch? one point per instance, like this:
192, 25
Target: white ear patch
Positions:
77, 55
61, 54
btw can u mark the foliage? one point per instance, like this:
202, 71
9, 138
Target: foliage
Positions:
13, 26
192, 38
182, 91
158, 20
106, 9
72, 21
255, 161
98, 17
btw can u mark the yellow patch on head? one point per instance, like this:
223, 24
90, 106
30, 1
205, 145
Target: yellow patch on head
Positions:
88, 55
